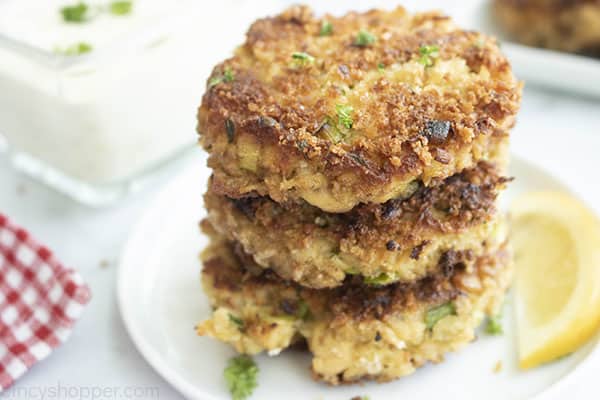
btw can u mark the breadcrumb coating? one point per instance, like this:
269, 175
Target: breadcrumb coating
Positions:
360, 114
400, 240
355, 332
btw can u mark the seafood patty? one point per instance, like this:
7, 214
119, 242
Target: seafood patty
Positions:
338, 111
567, 25
399, 240
355, 331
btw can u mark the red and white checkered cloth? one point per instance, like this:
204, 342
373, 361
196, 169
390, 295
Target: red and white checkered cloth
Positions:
39, 302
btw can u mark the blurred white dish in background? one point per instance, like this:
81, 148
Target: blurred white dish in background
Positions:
90, 123
554, 69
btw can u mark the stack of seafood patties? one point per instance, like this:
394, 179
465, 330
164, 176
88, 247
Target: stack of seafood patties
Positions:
356, 164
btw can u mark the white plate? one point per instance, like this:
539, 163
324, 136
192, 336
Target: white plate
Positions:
161, 300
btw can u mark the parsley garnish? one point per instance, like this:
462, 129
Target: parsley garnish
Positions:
302, 59
435, 314
344, 113
380, 67
237, 321
227, 76
80, 12
75, 49
494, 325
326, 29
428, 54
76, 13
215, 80
364, 38
122, 7
241, 375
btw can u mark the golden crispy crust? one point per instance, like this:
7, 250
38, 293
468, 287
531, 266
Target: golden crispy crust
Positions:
568, 25
275, 128
229, 269
349, 327
399, 240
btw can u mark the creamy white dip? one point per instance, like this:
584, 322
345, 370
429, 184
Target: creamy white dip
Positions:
128, 104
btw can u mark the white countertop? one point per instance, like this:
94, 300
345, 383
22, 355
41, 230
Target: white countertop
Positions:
554, 130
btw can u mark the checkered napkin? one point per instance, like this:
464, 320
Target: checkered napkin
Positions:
40, 300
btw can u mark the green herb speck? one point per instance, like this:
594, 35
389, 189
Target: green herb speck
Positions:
303, 311
74, 49
326, 29
379, 280
241, 377
227, 76
494, 325
75, 13
435, 314
237, 321
122, 7
330, 131
215, 80
302, 59
428, 54
364, 38
344, 113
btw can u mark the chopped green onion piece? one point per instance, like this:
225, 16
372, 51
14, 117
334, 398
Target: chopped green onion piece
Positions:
326, 29
364, 38
344, 113
301, 59
122, 7
379, 280
75, 49
76, 13
237, 321
428, 54
332, 132
435, 314
494, 325
241, 376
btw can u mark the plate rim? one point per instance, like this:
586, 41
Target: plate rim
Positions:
154, 358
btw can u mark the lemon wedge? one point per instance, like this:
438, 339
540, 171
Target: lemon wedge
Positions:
557, 254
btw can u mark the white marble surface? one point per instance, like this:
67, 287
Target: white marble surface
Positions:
554, 130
